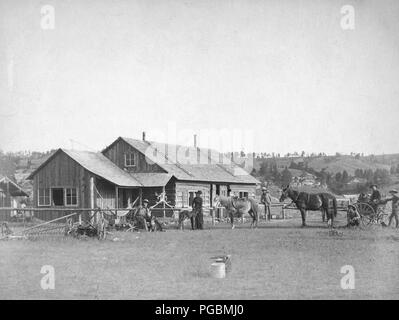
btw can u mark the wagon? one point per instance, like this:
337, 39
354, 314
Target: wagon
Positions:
365, 214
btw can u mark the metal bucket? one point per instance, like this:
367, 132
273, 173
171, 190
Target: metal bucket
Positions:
218, 270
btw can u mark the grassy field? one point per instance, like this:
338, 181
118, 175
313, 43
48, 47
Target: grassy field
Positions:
279, 260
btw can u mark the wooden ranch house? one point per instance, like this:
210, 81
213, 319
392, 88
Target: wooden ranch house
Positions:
129, 170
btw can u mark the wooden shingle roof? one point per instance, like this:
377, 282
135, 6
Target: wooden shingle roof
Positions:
182, 162
98, 164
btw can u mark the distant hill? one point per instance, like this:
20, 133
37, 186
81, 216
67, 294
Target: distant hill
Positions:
18, 166
339, 164
334, 164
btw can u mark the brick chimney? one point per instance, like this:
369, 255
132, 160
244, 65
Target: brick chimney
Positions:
143, 135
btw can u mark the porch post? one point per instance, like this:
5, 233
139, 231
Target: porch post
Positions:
163, 204
92, 198
8, 197
116, 199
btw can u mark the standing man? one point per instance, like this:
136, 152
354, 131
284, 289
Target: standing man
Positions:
197, 208
395, 207
375, 198
266, 199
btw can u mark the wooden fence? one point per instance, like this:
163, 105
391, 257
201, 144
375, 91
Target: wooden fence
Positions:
279, 211
48, 214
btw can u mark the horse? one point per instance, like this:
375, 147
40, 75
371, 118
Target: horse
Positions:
312, 202
186, 214
240, 206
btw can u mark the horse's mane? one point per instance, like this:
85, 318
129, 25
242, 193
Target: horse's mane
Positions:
224, 200
293, 192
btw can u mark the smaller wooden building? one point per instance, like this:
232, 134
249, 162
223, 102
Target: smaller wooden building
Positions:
10, 195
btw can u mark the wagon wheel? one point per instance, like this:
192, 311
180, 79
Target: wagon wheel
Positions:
366, 212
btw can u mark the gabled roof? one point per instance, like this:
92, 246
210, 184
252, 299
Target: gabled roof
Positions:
210, 168
101, 166
98, 164
14, 189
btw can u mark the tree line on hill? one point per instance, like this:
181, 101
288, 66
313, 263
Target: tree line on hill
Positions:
340, 182
344, 183
10, 162
268, 171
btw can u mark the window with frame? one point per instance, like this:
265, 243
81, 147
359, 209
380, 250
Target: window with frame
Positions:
190, 196
179, 199
130, 160
71, 197
243, 194
44, 197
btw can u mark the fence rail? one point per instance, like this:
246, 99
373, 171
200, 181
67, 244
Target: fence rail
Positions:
47, 214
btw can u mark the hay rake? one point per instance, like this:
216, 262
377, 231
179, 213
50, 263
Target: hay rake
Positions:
62, 226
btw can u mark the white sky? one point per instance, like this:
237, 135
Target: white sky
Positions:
284, 70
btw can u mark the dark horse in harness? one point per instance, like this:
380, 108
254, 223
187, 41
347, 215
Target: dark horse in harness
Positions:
240, 206
307, 201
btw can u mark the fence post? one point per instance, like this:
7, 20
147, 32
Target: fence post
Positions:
283, 212
213, 216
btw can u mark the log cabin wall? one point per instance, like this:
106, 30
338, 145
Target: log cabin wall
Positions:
237, 188
183, 190
116, 153
62, 172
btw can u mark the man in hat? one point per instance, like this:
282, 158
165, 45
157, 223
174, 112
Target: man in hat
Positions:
150, 222
144, 215
375, 198
197, 208
395, 207
266, 199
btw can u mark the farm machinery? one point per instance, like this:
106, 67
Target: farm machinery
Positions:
95, 226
